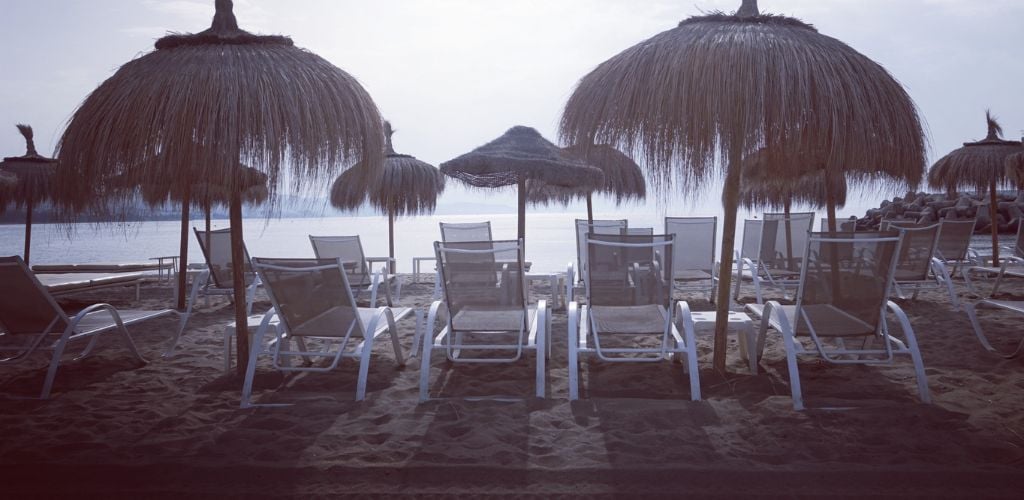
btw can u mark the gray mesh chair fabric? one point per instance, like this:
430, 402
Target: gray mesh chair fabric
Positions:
693, 253
314, 303
954, 240
771, 252
583, 227
489, 319
918, 268
31, 320
217, 278
365, 284
841, 302
629, 315
455, 232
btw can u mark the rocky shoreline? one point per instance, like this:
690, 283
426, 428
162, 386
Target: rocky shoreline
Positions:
924, 208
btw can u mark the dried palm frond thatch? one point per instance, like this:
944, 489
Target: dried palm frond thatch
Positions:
1015, 169
762, 188
980, 165
257, 100
405, 186
623, 179
521, 154
694, 101
33, 182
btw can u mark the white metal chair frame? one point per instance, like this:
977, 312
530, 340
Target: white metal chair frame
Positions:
673, 343
384, 321
581, 249
392, 293
710, 286
772, 315
1011, 266
536, 336
1008, 305
119, 321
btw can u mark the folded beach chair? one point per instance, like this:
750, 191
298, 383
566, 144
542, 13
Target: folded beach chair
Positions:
840, 310
917, 269
1010, 265
31, 320
217, 278
314, 303
488, 317
1016, 306
693, 254
770, 255
630, 315
364, 282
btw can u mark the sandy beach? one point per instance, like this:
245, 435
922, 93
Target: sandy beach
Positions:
173, 426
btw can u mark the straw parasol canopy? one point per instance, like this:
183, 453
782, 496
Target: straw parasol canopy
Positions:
521, 154
980, 165
33, 174
405, 186
694, 101
252, 99
7, 181
1015, 169
761, 188
623, 179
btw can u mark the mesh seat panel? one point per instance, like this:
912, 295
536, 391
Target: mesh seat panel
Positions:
693, 251
483, 291
312, 296
648, 318
482, 318
349, 249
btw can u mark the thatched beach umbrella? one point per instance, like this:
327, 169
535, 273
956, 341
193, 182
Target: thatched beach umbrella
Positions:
521, 154
7, 181
245, 98
694, 101
623, 179
33, 175
406, 186
1015, 171
978, 165
762, 188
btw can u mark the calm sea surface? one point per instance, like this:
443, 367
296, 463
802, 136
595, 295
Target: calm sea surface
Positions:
550, 243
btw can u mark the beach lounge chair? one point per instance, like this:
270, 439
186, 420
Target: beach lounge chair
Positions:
216, 279
954, 247
842, 225
1016, 306
630, 316
31, 320
314, 303
488, 317
1010, 265
917, 269
693, 253
584, 226
770, 255
840, 306
360, 277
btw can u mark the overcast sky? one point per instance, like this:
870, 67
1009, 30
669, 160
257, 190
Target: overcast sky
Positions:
454, 74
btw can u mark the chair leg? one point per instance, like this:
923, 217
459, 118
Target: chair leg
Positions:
574, 390
364, 368
428, 343
250, 370
540, 350
51, 372
973, 316
393, 333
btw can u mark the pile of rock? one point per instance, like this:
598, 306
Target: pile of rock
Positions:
925, 208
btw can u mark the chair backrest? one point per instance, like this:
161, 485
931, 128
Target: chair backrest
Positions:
916, 250
312, 297
454, 232
25, 305
842, 225
584, 226
216, 247
1018, 247
476, 274
954, 239
783, 239
629, 270
694, 247
350, 250
859, 287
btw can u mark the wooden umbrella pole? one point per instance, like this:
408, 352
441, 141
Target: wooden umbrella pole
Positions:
731, 202
590, 208
206, 210
28, 229
391, 241
183, 251
993, 212
238, 279
790, 263
830, 202
522, 210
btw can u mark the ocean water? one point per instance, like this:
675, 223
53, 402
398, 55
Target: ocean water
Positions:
550, 241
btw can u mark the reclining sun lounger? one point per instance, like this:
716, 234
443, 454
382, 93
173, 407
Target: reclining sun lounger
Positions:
31, 320
68, 283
